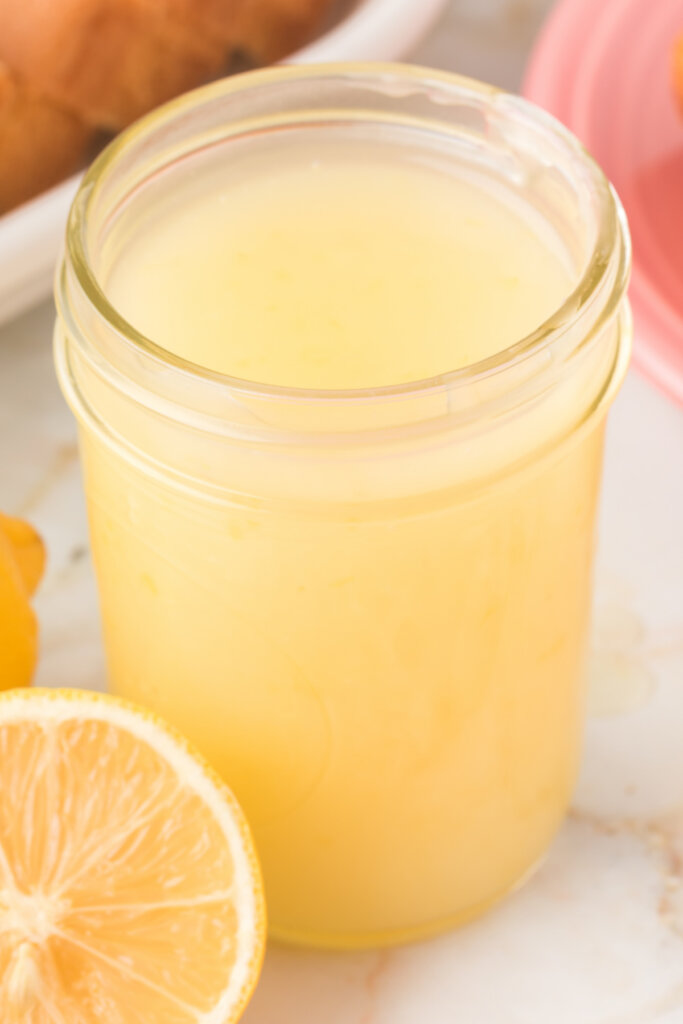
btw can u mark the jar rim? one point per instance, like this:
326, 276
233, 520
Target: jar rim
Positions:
611, 237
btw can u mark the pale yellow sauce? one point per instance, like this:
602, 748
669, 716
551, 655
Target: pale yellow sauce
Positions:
395, 699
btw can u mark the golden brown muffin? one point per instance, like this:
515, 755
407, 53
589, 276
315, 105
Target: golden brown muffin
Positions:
261, 30
268, 30
107, 61
71, 70
39, 143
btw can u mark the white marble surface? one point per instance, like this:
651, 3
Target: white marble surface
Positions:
597, 936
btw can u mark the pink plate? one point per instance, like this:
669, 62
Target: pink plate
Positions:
604, 68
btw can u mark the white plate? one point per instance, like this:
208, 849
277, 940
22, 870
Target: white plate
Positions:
31, 236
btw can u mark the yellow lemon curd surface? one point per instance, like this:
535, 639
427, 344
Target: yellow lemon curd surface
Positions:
392, 689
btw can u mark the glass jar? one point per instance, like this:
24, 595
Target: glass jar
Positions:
368, 608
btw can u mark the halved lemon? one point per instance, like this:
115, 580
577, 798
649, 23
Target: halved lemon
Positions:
129, 888
28, 550
18, 626
677, 69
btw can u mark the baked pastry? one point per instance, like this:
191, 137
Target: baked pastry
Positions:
258, 31
39, 142
105, 61
71, 70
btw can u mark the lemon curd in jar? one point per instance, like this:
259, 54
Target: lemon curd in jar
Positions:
322, 268
342, 393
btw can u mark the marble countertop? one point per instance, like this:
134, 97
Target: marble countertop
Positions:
597, 936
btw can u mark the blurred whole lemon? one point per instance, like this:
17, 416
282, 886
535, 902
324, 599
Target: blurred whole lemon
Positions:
22, 560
